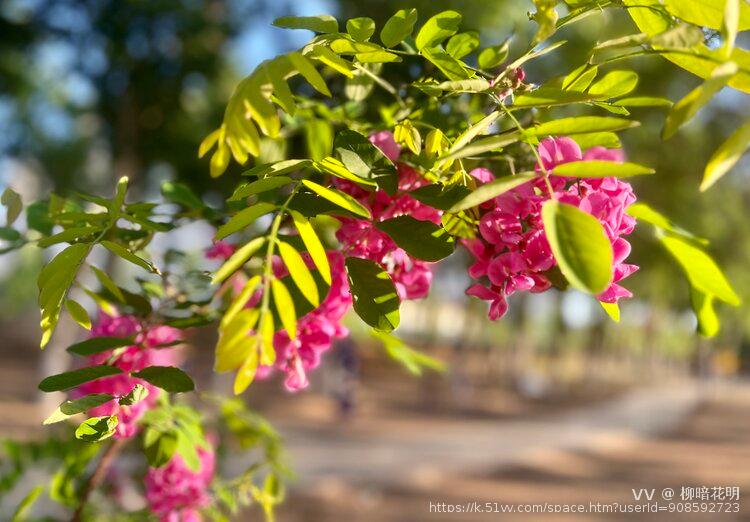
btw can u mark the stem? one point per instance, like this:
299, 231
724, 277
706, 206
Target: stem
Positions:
97, 476
545, 173
272, 234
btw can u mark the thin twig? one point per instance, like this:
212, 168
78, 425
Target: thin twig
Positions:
97, 476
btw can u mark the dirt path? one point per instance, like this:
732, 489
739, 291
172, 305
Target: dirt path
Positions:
598, 455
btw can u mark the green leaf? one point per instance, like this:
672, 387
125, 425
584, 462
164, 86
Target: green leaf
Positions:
73, 378
646, 213
491, 190
375, 298
276, 71
68, 236
703, 307
398, 27
494, 56
237, 260
127, 255
551, 96
120, 192
581, 125
580, 79
159, 446
361, 29
684, 110
243, 219
12, 202
588, 140
181, 194
462, 44
299, 272
108, 284
9, 234
415, 362
308, 71
69, 408
134, 396
481, 127
615, 84
26, 503
319, 138
78, 313
707, 13
600, 169
726, 156
642, 101
284, 307
97, 429
579, 245
441, 197
336, 168
483, 145
422, 239
730, 25
452, 68
338, 198
312, 243
54, 281
262, 185
333, 60
277, 168
319, 23
99, 344
168, 378
437, 29
701, 270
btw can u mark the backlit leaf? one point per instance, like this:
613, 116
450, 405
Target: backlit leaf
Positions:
580, 246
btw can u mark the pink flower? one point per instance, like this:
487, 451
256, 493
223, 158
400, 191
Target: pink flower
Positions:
220, 250
129, 359
512, 250
175, 493
385, 142
316, 331
555, 151
482, 175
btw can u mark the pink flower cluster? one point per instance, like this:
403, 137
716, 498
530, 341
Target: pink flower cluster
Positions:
129, 359
360, 238
316, 331
512, 251
175, 493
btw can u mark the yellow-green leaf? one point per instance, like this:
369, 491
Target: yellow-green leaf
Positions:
684, 110
299, 273
312, 243
246, 373
308, 71
285, 307
239, 258
726, 156
339, 198
244, 218
240, 301
78, 313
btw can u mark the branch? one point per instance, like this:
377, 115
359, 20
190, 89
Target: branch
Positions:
97, 476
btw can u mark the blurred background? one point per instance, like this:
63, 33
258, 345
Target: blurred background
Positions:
554, 403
